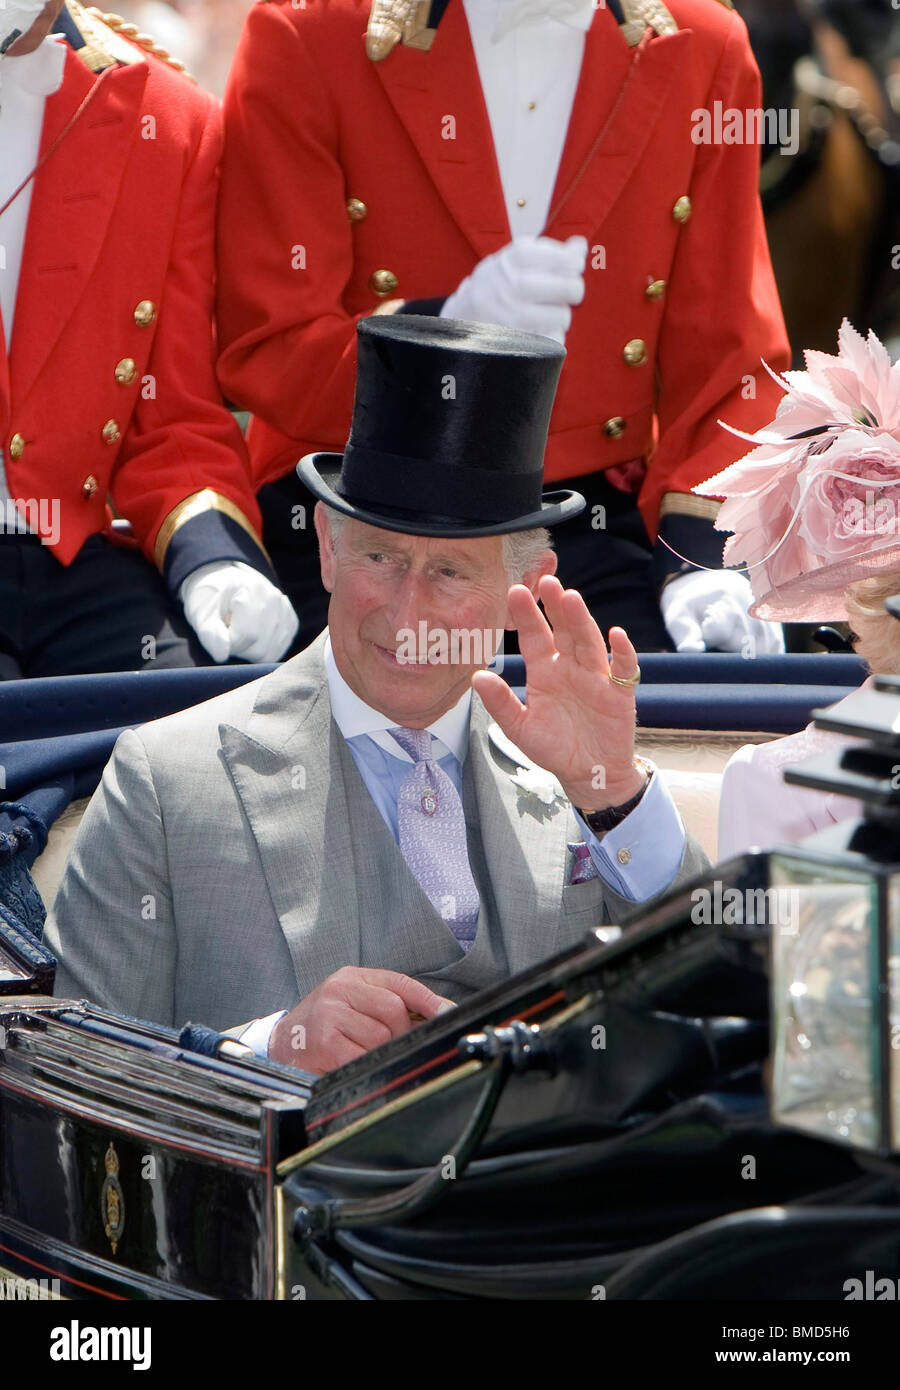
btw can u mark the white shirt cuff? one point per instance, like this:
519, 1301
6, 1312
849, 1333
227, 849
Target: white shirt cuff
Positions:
258, 1033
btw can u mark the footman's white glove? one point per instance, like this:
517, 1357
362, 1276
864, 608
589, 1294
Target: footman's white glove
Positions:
236, 611
531, 283
708, 611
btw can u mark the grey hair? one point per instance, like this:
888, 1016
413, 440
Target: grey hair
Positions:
878, 632
522, 550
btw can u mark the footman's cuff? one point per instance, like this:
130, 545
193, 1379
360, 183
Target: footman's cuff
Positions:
207, 526
686, 524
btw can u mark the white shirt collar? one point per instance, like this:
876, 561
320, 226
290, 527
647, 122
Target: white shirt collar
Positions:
353, 716
507, 14
40, 73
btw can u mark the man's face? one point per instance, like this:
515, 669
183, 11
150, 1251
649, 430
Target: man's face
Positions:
385, 586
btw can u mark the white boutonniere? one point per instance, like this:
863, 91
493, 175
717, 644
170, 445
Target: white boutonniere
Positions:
530, 778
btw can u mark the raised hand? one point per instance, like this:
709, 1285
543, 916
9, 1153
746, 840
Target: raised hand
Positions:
576, 721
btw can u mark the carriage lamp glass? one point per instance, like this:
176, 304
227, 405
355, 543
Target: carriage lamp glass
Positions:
892, 1040
831, 1018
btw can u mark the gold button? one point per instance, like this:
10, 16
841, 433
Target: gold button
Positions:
532, 105
89, 486
356, 209
144, 313
635, 352
126, 371
656, 289
682, 209
383, 282
615, 428
623, 856
111, 432
520, 202
16, 446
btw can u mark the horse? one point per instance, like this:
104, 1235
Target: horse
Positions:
832, 199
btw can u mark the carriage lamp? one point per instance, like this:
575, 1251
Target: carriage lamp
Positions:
835, 950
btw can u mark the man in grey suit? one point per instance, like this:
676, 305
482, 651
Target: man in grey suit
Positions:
315, 859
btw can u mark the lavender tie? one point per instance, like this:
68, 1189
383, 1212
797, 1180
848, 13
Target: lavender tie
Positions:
433, 837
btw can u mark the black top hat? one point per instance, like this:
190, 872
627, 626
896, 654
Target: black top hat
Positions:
449, 428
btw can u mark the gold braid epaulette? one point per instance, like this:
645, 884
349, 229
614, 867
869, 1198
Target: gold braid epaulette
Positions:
131, 31
406, 21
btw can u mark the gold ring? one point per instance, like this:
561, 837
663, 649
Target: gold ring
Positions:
626, 680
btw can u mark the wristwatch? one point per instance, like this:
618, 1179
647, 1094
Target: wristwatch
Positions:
611, 816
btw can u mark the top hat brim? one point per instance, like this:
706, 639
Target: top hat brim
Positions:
321, 473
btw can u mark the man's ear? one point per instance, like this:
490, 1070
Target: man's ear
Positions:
532, 577
545, 565
326, 546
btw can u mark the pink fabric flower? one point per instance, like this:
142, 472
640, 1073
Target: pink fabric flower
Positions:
840, 517
816, 503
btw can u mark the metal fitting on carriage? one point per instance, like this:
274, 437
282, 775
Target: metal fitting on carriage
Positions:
521, 1043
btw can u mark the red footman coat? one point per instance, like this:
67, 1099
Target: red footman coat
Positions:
108, 391
346, 187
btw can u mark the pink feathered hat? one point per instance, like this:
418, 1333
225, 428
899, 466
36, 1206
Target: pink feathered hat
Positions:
816, 505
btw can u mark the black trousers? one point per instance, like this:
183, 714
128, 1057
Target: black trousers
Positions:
107, 611
605, 553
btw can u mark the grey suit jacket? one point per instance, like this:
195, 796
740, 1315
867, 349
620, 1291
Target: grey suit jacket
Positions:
232, 858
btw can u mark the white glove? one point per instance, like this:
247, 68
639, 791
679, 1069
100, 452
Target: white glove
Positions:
708, 611
530, 284
236, 611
